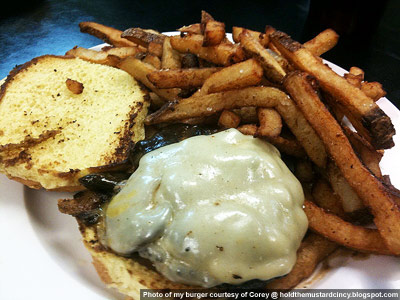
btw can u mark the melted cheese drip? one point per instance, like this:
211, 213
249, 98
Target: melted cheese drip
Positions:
209, 210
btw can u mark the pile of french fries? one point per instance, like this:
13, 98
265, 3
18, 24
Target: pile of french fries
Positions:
267, 85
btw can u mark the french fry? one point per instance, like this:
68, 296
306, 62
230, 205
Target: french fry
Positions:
181, 78
139, 70
372, 192
368, 155
155, 48
323, 42
170, 58
152, 60
285, 145
205, 18
363, 108
109, 35
214, 33
344, 233
205, 105
191, 29
325, 198
349, 198
353, 79
373, 90
261, 37
222, 54
272, 69
357, 71
270, 122
228, 119
240, 75
143, 37
313, 249
109, 57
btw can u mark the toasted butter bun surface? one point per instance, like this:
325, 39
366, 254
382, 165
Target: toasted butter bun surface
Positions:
51, 135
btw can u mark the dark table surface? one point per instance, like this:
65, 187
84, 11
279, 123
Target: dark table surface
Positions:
369, 33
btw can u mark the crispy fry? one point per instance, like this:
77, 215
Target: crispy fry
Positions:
373, 90
325, 198
205, 17
228, 119
357, 71
181, 78
368, 155
350, 200
262, 38
139, 70
170, 58
222, 54
155, 48
363, 108
240, 75
272, 68
109, 35
323, 42
109, 57
152, 60
344, 233
270, 122
214, 33
191, 29
368, 188
285, 145
353, 79
197, 106
143, 37
313, 249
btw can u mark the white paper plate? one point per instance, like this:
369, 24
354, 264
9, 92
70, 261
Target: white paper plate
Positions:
42, 256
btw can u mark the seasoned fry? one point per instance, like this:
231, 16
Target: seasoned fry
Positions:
181, 78
325, 198
170, 58
313, 249
155, 49
205, 105
261, 37
152, 60
139, 70
205, 18
344, 233
109, 57
214, 33
228, 119
285, 145
373, 90
363, 108
350, 200
368, 155
272, 69
368, 188
270, 122
323, 42
109, 35
191, 29
222, 54
240, 75
143, 37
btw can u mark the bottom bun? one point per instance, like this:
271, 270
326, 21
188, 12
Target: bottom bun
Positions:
127, 275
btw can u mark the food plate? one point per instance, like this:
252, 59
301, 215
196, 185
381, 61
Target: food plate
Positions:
42, 256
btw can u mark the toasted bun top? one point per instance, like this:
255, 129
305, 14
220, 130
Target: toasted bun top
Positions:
52, 133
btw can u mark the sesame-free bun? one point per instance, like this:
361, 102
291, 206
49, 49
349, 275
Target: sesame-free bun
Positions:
62, 118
